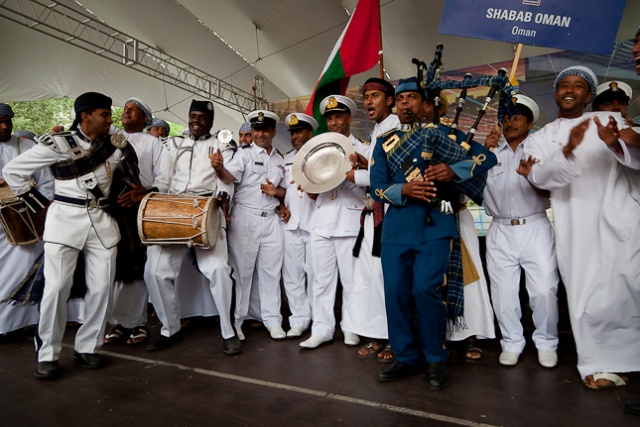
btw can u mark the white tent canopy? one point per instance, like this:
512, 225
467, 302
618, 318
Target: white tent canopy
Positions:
286, 42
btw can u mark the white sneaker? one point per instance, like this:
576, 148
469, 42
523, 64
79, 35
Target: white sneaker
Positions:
277, 333
547, 358
351, 339
314, 341
508, 358
295, 332
239, 333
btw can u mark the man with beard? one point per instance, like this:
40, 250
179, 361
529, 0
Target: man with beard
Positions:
297, 273
83, 162
593, 179
130, 295
417, 236
244, 134
17, 260
334, 229
186, 169
520, 237
365, 314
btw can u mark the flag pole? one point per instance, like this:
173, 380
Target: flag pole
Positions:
516, 59
380, 55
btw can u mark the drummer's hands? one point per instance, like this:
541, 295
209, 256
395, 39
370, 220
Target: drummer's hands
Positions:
421, 190
133, 196
269, 189
217, 161
439, 172
223, 203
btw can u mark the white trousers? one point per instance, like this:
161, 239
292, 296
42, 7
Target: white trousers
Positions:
162, 270
331, 256
256, 247
530, 247
297, 276
366, 313
59, 265
129, 306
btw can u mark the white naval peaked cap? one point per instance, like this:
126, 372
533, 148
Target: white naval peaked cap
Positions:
259, 117
530, 104
338, 103
295, 121
615, 86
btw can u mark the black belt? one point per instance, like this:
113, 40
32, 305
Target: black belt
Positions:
89, 203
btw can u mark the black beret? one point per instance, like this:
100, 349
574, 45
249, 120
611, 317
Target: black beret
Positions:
91, 101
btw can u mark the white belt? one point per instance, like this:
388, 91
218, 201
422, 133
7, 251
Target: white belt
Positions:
520, 221
257, 212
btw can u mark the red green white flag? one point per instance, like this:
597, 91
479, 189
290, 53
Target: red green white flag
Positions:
356, 51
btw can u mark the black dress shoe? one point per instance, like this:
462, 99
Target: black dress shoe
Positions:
632, 407
437, 375
90, 360
47, 370
396, 371
231, 345
163, 342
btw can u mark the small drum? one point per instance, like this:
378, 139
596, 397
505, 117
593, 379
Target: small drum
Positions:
21, 226
169, 219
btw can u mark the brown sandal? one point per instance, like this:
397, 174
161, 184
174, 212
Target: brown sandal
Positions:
386, 355
370, 350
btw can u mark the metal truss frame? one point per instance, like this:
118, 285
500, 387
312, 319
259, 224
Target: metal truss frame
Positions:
87, 32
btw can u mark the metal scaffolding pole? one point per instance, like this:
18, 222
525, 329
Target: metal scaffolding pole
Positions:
86, 32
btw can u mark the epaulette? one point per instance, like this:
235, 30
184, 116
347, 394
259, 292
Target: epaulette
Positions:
387, 133
364, 142
278, 151
45, 140
290, 151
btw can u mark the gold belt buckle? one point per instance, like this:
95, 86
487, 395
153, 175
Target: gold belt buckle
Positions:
515, 222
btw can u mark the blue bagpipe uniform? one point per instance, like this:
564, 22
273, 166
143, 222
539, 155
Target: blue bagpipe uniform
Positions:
417, 238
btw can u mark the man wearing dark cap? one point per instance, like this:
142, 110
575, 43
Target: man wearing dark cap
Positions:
255, 232
186, 169
335, 225
417, 237
520, 237
244, 134
83, 162
612, 96
366, 315
17, 260
128, 313
297, 271
158, 128
593, 179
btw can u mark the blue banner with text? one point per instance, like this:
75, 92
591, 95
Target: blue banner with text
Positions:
580, 25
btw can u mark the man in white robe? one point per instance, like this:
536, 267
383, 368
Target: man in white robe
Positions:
17, 260
595, 191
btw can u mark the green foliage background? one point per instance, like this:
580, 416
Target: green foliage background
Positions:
40, 116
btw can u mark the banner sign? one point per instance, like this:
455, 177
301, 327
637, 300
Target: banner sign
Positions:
579, 25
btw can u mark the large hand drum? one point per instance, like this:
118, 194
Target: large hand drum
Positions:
21, 226
168, 219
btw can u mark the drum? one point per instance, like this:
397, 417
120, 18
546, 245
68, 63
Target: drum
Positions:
169, 219
21, 226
